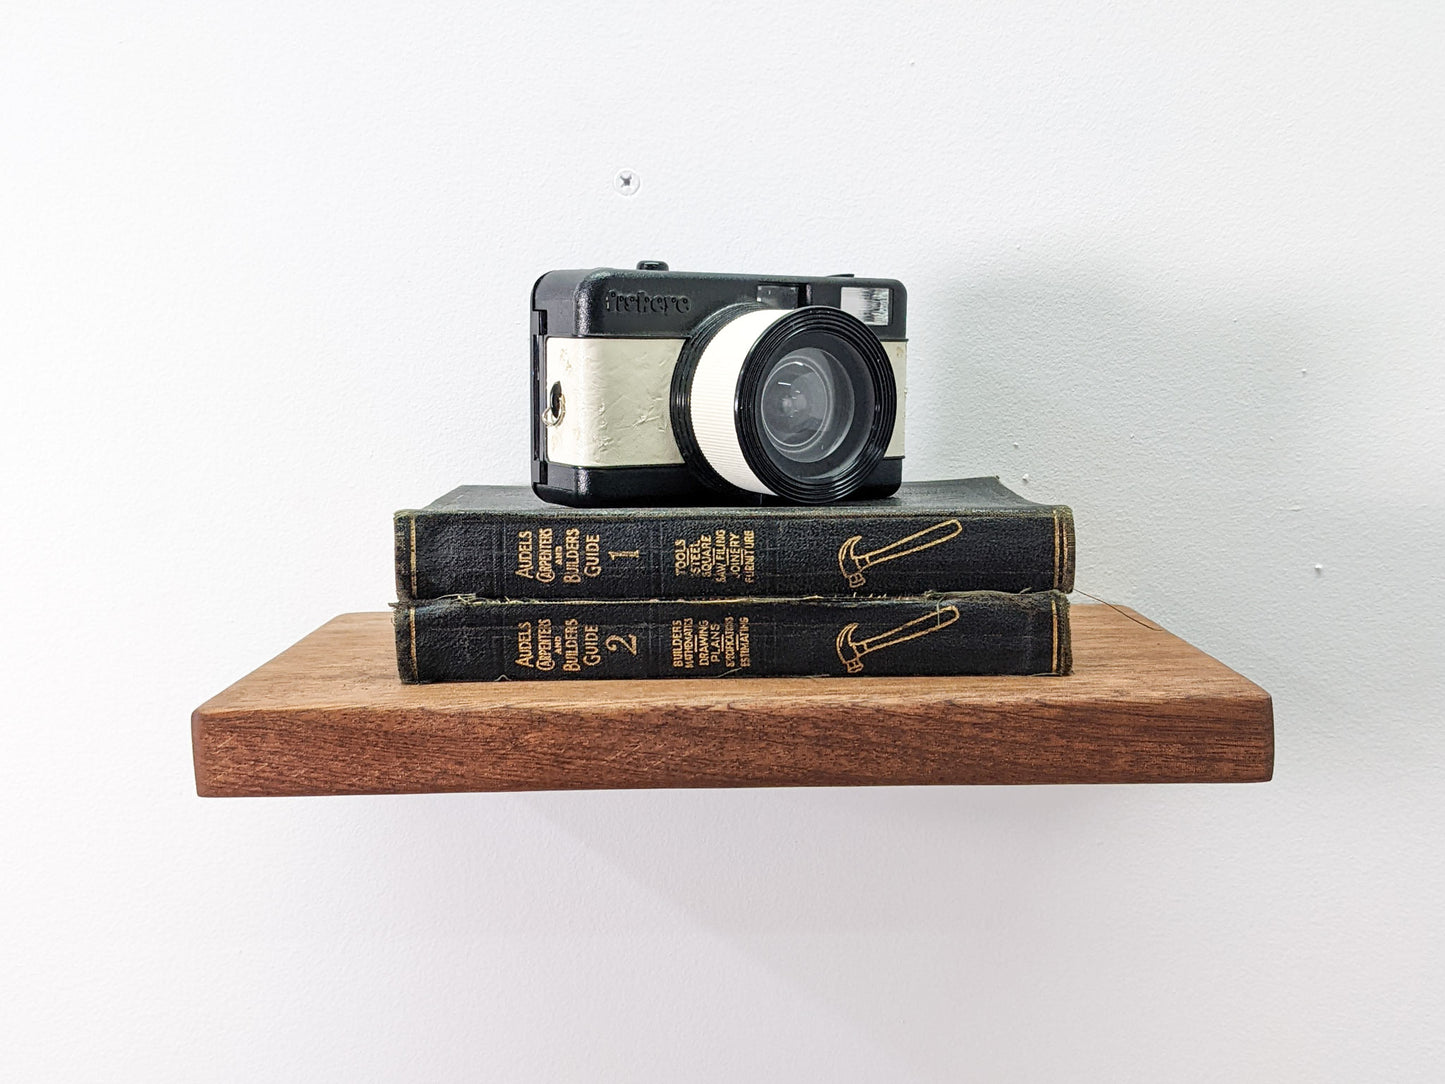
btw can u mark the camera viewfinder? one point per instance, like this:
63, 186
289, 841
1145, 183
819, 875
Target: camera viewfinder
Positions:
779, 296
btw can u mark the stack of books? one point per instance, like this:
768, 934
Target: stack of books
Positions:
944, 578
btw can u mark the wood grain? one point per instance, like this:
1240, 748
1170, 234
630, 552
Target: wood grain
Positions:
329, 716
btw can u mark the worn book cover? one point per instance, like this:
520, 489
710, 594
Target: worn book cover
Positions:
970, 534
471, 638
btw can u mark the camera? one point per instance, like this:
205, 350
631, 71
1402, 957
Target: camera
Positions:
651, 386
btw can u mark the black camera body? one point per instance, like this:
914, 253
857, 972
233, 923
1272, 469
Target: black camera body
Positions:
651, 386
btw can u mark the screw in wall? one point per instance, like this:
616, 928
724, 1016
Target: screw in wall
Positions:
627, 182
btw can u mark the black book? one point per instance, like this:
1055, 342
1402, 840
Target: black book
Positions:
968, 534
469, 638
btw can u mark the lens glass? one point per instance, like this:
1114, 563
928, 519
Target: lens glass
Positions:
806, 404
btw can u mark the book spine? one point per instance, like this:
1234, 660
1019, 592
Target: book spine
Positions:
467, 638
731, 553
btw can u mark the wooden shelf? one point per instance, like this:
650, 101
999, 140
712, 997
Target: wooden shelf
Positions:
329, 716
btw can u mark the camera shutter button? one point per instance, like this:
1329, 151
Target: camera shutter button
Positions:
651, 265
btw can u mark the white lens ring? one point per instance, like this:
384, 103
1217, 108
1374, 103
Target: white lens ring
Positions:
714, 395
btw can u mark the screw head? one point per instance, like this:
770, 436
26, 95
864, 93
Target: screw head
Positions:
627, 182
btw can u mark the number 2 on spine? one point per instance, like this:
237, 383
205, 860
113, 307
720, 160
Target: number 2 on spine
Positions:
628, 643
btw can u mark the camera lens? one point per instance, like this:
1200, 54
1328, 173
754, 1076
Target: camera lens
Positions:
806, 404
797, 404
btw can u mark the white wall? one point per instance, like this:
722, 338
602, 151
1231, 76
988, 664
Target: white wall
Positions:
263, 279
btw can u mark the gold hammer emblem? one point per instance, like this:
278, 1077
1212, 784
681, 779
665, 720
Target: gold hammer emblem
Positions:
851, 563
851, 651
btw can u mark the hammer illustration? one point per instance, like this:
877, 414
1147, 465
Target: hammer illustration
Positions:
851, 651
852, 564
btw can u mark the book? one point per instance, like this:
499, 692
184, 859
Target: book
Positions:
471, 638
970, 534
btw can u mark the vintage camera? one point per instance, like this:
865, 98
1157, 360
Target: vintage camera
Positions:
652, 386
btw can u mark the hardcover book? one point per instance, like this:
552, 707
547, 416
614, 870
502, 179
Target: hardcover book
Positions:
471, 638
969, 534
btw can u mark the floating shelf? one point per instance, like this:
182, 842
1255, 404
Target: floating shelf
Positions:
329, 716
